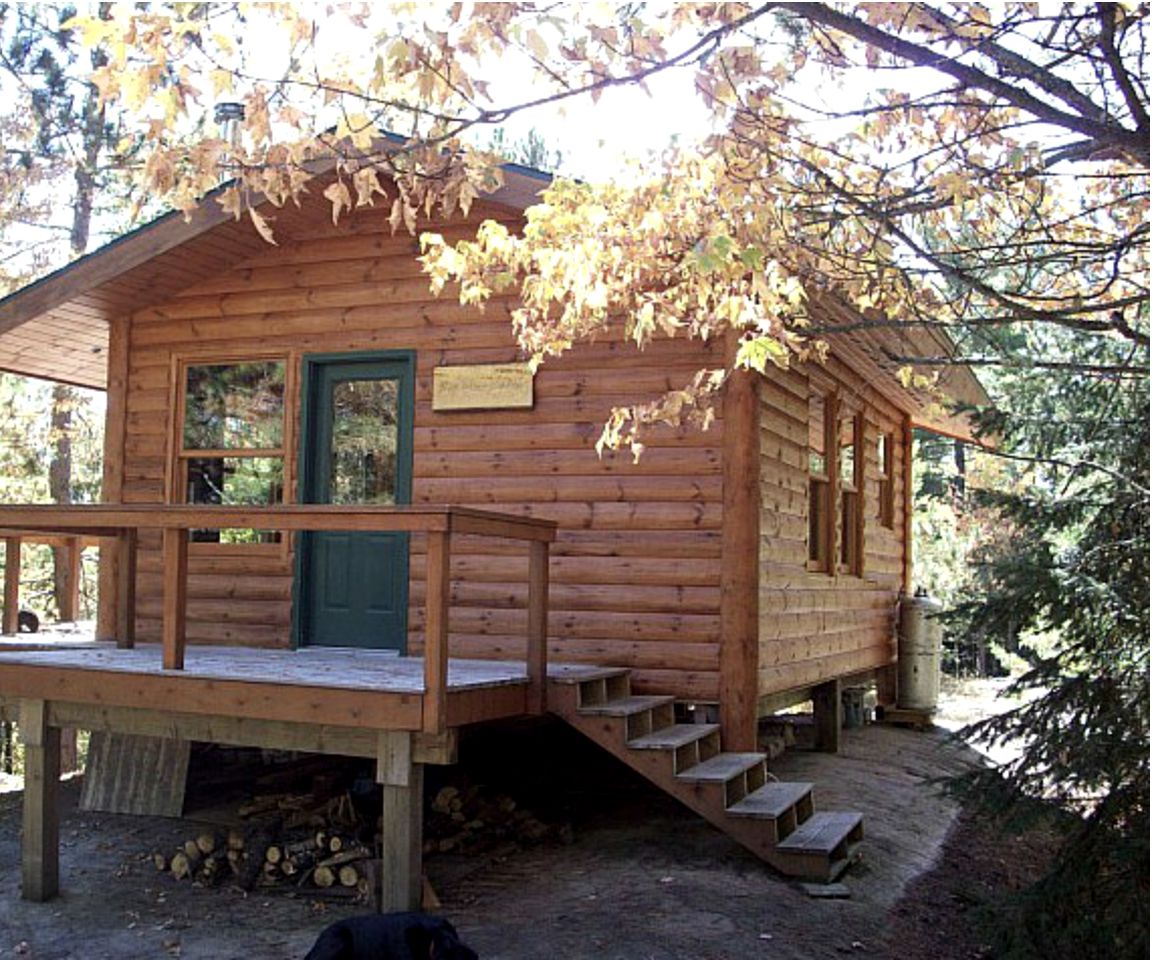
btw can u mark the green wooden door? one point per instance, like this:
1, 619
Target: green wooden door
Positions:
352, 589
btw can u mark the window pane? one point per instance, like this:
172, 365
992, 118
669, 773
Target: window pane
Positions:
849, 531
231, 406
364, 442
818, 521
847, 433
883, 454
817, 463
235, 481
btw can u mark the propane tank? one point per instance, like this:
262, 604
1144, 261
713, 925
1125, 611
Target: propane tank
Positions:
919, 652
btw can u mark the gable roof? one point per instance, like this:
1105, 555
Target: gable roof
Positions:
57, 326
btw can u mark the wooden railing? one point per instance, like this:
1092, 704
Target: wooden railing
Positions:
73, 547
123, 523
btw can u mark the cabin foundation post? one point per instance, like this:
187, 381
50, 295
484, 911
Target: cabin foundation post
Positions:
741, 538
40, 855
827, 716
402, 785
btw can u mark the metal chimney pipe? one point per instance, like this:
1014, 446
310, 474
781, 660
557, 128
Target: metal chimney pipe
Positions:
229, 115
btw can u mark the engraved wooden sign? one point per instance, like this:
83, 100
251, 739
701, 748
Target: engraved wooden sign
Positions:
485, 386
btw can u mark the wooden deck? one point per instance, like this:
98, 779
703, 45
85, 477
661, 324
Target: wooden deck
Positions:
349, 702
403, 712
345, 687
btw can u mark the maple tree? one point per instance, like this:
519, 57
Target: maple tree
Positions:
1021, 143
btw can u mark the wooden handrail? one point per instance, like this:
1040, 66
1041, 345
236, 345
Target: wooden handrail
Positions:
108, 519
125, 521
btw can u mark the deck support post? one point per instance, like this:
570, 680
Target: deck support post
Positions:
437, 584
827, 716
40, 856
11, 585
537, 659
402, 786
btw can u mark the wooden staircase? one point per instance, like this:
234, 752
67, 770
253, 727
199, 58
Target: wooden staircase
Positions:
733, 791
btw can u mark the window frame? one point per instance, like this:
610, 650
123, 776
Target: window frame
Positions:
885, 478
176, 486
821, 487
850, 500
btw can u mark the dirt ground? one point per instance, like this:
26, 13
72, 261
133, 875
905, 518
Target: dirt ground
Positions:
642, 879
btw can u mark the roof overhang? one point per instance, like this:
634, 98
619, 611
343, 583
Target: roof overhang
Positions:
880, 348
57, 327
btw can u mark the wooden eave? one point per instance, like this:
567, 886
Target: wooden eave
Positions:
870, 348
57, 327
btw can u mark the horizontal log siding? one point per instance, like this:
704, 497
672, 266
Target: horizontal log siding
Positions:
635, 570
814, 626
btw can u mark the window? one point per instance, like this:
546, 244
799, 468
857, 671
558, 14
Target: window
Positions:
850, 484
820, 488
886, 480
232, 440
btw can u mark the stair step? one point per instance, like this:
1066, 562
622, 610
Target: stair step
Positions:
822, 833
624, 706
771, 801
574, 673
723, 767
679, 735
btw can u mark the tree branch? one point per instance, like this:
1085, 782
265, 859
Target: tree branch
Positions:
1106, 42
1119, 369
1134, 142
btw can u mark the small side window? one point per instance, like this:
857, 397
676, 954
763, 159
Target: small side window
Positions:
820, 485
850, 484
885, 465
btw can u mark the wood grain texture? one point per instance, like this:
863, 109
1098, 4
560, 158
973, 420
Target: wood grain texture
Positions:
109, 609
40, 852
636, 559
11, 621
815, 626
739, 564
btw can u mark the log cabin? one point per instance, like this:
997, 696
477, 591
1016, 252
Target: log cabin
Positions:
340, 514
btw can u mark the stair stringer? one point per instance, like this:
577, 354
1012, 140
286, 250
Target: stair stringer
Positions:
710, 799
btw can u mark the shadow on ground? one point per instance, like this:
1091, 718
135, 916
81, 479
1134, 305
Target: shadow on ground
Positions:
643, 878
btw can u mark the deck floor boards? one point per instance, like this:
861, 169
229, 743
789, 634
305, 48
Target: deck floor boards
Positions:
333, 668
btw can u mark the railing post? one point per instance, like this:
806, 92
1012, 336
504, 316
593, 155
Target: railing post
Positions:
436, 631
125, 571
70, 605
175, 559
537, 659
11, 585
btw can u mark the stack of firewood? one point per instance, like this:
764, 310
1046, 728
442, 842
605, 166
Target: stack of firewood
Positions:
473, 819
291, 840
320, 844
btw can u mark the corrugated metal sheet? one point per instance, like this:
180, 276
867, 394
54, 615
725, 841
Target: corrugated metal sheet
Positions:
134, 774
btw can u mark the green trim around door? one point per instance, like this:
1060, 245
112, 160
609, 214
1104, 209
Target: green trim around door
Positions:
352, 590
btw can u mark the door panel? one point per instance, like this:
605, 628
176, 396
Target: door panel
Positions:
352, 588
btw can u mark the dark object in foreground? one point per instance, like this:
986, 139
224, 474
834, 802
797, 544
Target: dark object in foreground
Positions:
27, 622
390, 936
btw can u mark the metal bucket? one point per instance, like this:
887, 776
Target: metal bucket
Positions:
919, 653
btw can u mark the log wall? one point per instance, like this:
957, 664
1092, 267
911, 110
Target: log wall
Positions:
814, 626
635, 574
